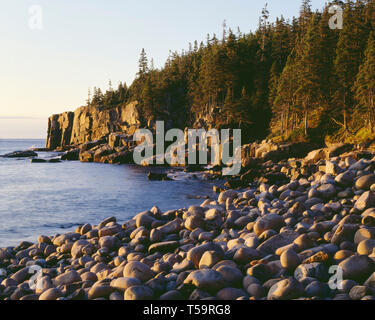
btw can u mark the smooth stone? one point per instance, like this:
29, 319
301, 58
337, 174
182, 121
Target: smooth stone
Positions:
366, 200
107, 242
317, 289
100, 290
116, 296
193, 222
228, 194
230, 294
268, 222
365, 182
231, 275
245, 255
195, 254
346, 178
315, 270
172, 295
261, 271
287, 289
271, 245
359, 292
163, 247
364, 234
139, 293
346, 286
290, 260
357, 268
206, 279
366, 247
256, 290
370, 282
210, 258
327, 191
67, 278
121, 284
21, 275
51, 294
138, 270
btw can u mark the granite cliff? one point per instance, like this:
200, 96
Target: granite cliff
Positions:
91, 123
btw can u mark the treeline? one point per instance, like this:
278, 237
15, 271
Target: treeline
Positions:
291, 78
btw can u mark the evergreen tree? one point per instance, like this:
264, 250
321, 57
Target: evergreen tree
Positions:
143, 64
349, 56
364, 86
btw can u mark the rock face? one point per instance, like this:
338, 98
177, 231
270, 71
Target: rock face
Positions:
268, 150
59, 130
90, 124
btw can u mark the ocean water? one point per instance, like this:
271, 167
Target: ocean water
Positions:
50, 198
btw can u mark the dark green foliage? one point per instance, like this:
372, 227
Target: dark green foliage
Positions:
286, 78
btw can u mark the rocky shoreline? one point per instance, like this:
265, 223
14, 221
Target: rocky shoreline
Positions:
283, 230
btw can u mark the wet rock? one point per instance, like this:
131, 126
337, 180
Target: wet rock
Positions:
20, 154
71, 155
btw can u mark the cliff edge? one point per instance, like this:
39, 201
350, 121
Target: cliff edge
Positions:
91, 123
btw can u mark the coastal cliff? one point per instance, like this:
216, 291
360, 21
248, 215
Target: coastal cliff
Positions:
91, 123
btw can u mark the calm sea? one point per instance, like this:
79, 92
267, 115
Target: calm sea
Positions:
49, 198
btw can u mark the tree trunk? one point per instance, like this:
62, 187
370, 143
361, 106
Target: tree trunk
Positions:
306, 120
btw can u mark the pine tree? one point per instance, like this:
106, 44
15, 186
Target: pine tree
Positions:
88, 101
350, 47
263, 29
305, 15
143, 64
364, 86
309, 70
285, 100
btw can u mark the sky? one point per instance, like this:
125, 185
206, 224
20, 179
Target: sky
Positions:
52, 51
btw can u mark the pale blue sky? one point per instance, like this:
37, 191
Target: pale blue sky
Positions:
84, 43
